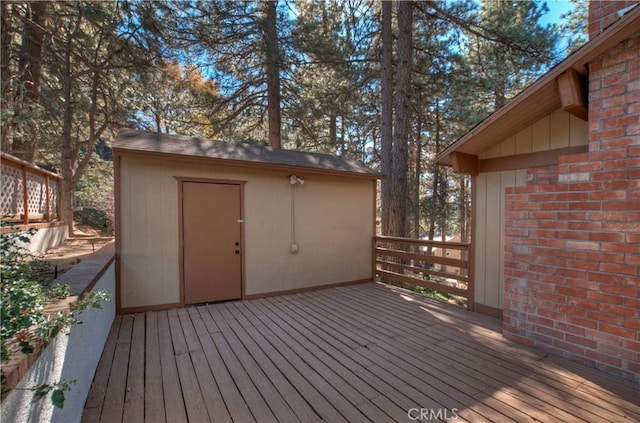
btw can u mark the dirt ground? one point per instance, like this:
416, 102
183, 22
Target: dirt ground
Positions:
85, 241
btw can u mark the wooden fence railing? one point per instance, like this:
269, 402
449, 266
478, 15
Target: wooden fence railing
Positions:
29, 193
436, 265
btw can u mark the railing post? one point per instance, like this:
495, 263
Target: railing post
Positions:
374, 264
47, 209
25, 195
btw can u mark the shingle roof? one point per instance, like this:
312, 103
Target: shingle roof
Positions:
130, 140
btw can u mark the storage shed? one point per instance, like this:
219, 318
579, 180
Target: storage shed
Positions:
202, 221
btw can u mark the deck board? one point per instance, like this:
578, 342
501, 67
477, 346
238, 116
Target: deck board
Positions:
368, 352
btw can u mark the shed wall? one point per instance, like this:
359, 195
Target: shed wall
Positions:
333, 228
556, 130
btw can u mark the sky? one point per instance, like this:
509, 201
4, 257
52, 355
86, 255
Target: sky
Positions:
556, 8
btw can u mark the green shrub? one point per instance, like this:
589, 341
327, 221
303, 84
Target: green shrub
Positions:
95, 218
23, 298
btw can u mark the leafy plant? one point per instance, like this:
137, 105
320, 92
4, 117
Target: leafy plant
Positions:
431, 293
56, 389
24, 297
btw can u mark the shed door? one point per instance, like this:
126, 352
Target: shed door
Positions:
211, 240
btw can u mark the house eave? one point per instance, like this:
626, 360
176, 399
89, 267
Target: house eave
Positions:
540, 98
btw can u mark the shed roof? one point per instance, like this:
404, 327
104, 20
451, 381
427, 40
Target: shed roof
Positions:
245, 155
542, 97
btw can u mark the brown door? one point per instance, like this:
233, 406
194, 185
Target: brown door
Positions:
211, 241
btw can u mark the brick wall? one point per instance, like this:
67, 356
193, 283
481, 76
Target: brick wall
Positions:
603, 13
572, 247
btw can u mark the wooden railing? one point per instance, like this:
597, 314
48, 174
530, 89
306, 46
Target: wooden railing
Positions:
29, 193
436, 265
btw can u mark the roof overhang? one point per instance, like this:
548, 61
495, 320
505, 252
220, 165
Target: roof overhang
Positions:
542, 97
132, 142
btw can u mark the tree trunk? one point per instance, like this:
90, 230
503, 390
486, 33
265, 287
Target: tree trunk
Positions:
30, 71
386, 118
436, 181
270, 36
417, 156
5, 75
398, 209
66, 147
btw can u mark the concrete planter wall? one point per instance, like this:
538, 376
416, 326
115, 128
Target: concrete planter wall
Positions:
73, 355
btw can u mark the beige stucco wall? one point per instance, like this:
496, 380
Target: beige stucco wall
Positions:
334, 218
557, 130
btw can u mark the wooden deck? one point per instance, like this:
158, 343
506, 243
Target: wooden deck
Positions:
367, 352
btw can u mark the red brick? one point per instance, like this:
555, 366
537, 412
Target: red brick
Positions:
609, 176
625, 290
605, 318
582, 322
618, 122
602, 336
608, 216
618, 268
569, 328
577, 281
572, 215
617, 330
586, 186
604, 277
631, 345
552, 261
581, 340
606, 113
524, 206
607, 133
621, 205
572, 292
584, 226
571, 310
548, 296
617, 351
605, 358
632, 303
580, 264
608, 298
606, 236
632, 260
516, 215
550, 243
550, 315
573, 196
632, 324
565, 346
550, 332
577, 236
607, 195
587, 205
626, 184
584, 304
615, 144
622, 248
619, 310
632, 281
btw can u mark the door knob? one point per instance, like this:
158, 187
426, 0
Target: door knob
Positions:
237, 251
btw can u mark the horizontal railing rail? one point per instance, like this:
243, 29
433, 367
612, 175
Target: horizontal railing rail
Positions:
29, 193
436, 265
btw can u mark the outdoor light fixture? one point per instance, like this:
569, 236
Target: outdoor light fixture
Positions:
295, 180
